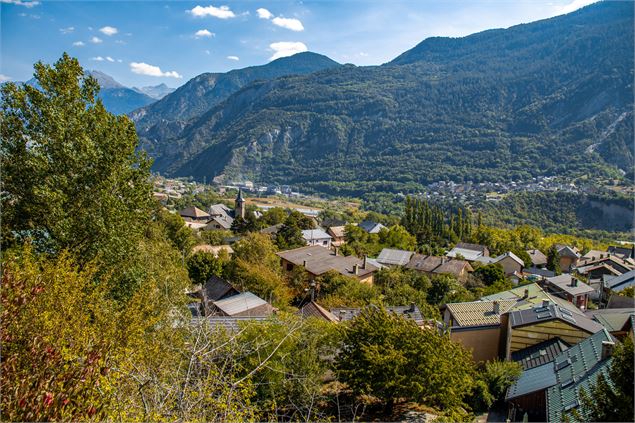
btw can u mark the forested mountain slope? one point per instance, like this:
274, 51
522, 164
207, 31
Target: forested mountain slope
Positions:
166, 117
551, 97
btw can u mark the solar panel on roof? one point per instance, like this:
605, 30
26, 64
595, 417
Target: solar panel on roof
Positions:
568, 317
544, 315
565, 311
541, 309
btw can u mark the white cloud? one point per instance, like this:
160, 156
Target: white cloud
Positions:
110, 59
67, 30
233, 58
4, 78
98, 59
79, 44
223, 12
264, 13
108, 30
96, 40
203, 33
27, 4
574, 5
286, 48
150, 70
208, 52
288, 23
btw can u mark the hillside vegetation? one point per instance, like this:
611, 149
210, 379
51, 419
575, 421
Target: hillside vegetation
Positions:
553, 97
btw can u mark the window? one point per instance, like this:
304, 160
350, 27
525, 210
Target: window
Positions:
289, 267
325, 243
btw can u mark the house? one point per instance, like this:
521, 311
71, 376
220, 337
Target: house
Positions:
245, 304
411, 312
194, 214
569, 257
393, 257
612, 262
371, 227
215, 289
213, 249
613, 319
318, 260
531, 295
537, 273
620, 301
621, 282
538, 259
338, 234
219, 223
511, 263
592, 255
477, 326
528, 327
470, 252
623, 252
570, 288
551, 391
272, 230
317, 237
313, 309
440, 265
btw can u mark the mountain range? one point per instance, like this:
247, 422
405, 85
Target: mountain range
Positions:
119, 99
552, 97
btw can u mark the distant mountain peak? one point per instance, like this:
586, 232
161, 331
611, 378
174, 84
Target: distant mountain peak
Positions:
105, 80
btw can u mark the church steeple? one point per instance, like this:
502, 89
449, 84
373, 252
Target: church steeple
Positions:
239, 208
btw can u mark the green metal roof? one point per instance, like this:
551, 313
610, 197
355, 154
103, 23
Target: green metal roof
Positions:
575, 369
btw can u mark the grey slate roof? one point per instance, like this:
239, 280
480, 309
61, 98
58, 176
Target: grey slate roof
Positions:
224, 222
320, 260
539, 354
622, 251
217, 288
532, 380
371, 227
575, 369
512, 256
312, 234
271, 230
540, 272
389, 256
193, 212
313, 309
240, 303
541, 314
625, 280
474, 247
564, 282
467, 254
537, 257
409, 312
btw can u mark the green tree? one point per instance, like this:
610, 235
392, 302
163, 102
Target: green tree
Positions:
553, 260
612, 400
290, 235
203, 265
392, 359
274, 216
490, 273
72, 176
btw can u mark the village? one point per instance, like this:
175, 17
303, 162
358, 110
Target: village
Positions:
565, 312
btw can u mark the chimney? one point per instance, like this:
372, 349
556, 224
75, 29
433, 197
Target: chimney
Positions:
364, 262
303, 263
526, 295
607, 349
356, 269
412, 307
545, 302
574, 282
497, 307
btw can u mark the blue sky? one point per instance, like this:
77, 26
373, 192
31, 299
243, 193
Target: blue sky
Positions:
149, 42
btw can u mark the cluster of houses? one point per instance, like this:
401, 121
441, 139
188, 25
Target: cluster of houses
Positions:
217, 217
546, 323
